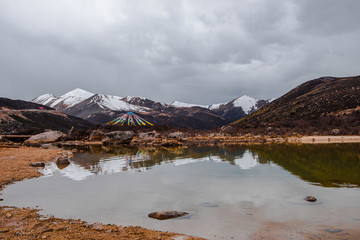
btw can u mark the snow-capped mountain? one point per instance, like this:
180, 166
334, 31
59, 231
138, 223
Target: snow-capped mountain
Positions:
100, 108
248, 104
235, 109
115, 103
65, 101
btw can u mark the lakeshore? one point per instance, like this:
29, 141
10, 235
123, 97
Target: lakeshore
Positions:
32, 225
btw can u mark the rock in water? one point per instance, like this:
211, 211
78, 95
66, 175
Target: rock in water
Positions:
310, 199
166, 214
45, 137
62, 161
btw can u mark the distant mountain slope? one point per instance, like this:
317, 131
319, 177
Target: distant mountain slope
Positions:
238, 108
323, 103
9, 104
21, 117
65, 101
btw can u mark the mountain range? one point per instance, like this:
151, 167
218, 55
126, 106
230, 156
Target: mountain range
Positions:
326, 105
100, 109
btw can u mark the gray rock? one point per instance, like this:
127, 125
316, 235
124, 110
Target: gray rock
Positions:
177, 135
45, 137
166, 215
149, 135
118, 137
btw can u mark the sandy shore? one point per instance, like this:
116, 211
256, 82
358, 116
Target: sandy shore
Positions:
19, 223
326, 139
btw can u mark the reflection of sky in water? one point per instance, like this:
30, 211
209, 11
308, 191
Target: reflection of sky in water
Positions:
227, 192
118, 164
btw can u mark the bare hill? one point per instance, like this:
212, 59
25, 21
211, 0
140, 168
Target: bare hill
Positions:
324, 105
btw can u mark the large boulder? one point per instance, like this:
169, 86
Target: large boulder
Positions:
45, 137
118, 137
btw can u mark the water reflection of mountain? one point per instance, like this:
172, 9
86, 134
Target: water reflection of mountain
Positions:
115, 160
328, 165
325, 165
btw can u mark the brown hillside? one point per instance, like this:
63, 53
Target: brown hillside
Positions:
317, 106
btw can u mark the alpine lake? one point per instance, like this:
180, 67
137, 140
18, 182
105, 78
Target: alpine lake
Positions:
228, 191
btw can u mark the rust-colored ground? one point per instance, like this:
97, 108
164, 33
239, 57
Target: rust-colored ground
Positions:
15, 162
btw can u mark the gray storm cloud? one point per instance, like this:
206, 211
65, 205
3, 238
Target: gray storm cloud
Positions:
200, 51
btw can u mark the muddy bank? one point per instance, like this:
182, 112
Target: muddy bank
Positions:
25, 223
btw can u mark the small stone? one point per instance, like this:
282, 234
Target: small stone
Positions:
8, 215
310, 199
37, 164
166, 214
1, 199
74, 150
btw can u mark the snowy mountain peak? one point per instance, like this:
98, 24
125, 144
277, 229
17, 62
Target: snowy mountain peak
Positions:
45, 99
132, 98
187, 105
78, 93
71, 98
246, 103
115, 103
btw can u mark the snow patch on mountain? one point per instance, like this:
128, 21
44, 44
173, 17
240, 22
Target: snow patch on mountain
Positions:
45, 99
215, 106
187, 105
246, 103
73, 97
115, 103
131, 98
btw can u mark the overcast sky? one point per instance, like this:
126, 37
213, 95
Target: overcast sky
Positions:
198, 51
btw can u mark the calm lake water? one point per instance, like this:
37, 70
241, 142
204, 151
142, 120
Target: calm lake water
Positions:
228, 191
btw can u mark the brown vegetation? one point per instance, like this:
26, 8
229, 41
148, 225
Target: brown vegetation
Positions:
315, 107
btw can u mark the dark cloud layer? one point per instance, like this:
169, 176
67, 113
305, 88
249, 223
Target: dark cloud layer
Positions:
201, 51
